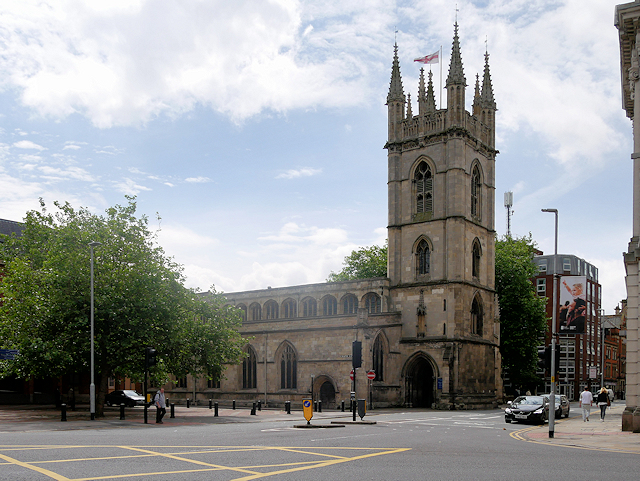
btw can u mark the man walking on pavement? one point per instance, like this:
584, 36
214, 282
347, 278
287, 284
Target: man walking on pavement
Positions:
586, 399
160, 405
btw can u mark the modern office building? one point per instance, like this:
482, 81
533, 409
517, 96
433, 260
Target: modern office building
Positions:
578, 320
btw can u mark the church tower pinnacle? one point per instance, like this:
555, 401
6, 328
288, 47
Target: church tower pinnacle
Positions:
456, 83
395, 98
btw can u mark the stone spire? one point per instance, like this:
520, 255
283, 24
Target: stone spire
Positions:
476, 97
395, 100
456, 73
422, 94
396, 92
431, 96
486, 97
409, 112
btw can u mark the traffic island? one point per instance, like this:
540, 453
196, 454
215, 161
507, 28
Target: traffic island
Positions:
317, 426
354, 422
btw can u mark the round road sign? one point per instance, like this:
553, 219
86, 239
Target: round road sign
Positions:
351, 375
371, 375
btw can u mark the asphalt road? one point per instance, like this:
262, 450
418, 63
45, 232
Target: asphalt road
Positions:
410, 445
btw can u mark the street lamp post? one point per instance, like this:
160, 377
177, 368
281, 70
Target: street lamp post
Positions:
552, 401
602, 347
92, 386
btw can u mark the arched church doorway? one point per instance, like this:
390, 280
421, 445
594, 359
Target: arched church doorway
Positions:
327, 394
419, 383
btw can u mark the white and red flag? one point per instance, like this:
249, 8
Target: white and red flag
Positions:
428, 59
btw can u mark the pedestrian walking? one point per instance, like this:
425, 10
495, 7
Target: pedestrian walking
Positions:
586, 400
161, 408
603, 401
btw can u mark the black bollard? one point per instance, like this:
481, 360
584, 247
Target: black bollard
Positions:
342, 406
253, 409
234, 404
173, 411
259, 405
287, 407
121, 411
145, 416
210, 403
63, 412
319, 406
215, 409
188, 403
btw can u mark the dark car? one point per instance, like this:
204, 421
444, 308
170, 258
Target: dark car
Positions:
127, 397
528, 408
562, 405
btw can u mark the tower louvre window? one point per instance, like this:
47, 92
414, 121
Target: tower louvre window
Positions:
475, 261
477, 325
423, 255
424, 189
476, 187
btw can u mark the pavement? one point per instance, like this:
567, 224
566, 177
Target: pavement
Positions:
568, 432
575, 433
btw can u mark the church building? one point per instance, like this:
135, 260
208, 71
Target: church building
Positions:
430, 330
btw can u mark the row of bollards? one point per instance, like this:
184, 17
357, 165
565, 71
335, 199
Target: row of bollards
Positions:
256, 406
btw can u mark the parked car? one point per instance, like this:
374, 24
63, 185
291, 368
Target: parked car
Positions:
562, 405
128, 398
527, 408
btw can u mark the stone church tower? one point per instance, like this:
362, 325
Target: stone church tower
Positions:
441, 189
428, 330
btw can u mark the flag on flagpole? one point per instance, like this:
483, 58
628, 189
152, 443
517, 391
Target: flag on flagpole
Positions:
429, 59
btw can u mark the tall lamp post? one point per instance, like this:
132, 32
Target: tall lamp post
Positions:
602, 357
92, 386
552, 401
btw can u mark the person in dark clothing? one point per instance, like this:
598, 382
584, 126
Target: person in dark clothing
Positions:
603, 402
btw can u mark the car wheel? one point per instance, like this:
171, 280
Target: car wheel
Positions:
507, 420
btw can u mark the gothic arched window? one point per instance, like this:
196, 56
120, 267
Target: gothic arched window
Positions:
309, 307
329, 306
243, 312
423, 258
249, 368
476, 191
424, 188
475, 261
271, 308
289, 308
373, 303
378, 358
477, 326
256, 311
350, 304
288, 368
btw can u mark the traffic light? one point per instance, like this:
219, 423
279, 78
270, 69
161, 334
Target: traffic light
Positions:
356, 354
542, 358
547, 357
149, 358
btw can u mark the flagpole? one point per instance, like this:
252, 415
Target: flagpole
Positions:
440, 62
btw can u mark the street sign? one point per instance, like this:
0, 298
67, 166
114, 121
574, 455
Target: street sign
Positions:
351, 375
440, 383
8, 354
307, 409
371, 375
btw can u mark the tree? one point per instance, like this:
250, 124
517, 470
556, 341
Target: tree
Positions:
364, 263
522, 313
140, 301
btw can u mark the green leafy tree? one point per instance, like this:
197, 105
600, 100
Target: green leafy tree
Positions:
140, 300
522, 313
364, 263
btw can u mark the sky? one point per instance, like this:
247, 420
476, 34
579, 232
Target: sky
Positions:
255, 129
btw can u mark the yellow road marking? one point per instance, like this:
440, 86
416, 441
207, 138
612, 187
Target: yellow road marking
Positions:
322, 464
46, 472
249, 472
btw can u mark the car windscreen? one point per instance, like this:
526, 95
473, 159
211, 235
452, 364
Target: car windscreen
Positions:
131, 393
528, 400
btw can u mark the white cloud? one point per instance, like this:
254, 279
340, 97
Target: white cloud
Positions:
129, 187
197, 180
27, 144
297, 173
